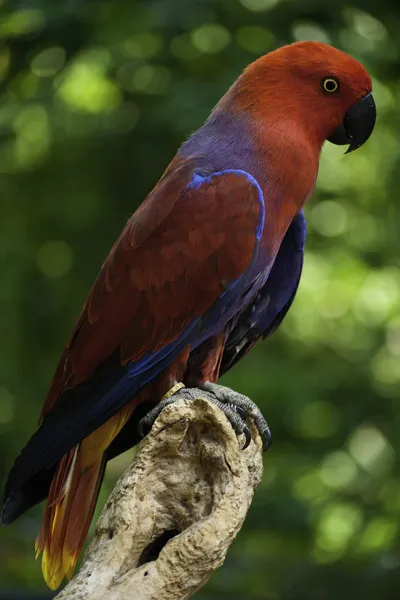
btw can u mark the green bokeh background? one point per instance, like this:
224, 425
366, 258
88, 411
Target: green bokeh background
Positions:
95, 99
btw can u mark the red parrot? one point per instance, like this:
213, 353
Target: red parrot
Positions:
207, 265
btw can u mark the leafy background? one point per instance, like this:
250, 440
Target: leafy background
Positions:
95, 99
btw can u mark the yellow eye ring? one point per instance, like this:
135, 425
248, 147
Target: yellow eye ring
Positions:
330, 85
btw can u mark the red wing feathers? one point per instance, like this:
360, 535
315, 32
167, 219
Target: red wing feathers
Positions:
169, 265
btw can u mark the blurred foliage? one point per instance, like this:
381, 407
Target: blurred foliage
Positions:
95, 99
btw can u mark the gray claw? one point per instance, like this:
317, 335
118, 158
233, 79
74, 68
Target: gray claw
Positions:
146, 423
243, 406
235, 406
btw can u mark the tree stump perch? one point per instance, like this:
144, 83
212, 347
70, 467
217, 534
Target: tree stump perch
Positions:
171, 517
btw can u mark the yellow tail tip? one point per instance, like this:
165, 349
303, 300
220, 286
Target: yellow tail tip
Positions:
69, 563
56, 567
52, 569
38, 548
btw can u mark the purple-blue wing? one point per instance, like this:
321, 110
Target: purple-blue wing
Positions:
273, 301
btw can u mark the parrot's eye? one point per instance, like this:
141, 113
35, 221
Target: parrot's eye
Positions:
330, 84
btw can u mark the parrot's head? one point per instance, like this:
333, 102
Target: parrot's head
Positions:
314, 84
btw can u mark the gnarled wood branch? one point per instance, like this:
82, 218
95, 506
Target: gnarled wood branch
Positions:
171, 517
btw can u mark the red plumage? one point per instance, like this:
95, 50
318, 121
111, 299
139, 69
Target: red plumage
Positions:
146, 293
200, 230
138, 309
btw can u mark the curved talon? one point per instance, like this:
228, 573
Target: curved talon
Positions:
266, 437
243, 407
242, 416
142, 425
247, 436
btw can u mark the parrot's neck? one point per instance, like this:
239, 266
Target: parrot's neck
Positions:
224, 142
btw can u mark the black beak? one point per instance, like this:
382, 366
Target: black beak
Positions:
357, 126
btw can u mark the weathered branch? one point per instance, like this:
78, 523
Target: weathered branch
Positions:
190, 483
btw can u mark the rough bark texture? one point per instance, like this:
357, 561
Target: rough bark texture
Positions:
191, 483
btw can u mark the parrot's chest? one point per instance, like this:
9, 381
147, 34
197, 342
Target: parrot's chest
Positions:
285, 192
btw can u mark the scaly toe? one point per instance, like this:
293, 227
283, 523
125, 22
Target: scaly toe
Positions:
243, 406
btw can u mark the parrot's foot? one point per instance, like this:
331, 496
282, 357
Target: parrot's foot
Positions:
236, 408
241, 406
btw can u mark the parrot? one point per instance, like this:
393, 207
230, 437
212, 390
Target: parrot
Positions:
208, 265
